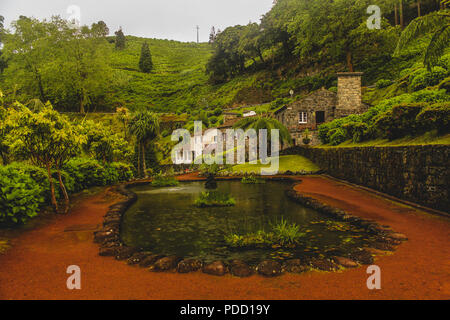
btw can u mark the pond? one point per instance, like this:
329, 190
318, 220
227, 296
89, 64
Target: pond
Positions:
166, 221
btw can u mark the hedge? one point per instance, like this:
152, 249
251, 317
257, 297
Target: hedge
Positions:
24, 188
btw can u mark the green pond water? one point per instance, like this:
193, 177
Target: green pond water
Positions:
165, 221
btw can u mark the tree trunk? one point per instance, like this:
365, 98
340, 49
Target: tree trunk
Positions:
396, 14
418, 9
64, 191
81, 106
349, 61
5, 159
52, 188
402, 21
139, 159
144, 167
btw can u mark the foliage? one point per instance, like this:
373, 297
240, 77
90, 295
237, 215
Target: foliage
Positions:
422, 78
214, 199
383, 83
145, 126
52, 60
392, 118
282, 234
120, 41
90, 173
161, 180
103, 144
260, 123
252, 180
20, 196
45, 137
436, 22
145, 61
435, 116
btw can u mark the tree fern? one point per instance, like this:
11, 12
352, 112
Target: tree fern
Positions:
439, 24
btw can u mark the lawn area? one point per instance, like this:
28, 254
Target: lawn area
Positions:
292, 163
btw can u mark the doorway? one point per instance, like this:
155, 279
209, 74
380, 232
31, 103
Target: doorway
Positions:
320, 117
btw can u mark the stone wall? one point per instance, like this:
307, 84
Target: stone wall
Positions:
419, 174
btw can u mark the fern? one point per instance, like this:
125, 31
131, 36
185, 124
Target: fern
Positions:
437, 23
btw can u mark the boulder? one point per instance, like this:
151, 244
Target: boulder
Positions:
107, 251
125, 252
149, 260
362, 256
295, 266
240, 269
323, 264
398, 236
345, 262
189, 265
137, 258
269, 268
216, 268
166, 263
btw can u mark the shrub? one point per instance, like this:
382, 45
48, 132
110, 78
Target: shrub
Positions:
423, 78
435, 117
398, 122
164, 181
214, 199
383, 83
124, 170
337, 136
217, 111
88, 173
20, 196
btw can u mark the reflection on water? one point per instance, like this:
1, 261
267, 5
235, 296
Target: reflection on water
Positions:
164, 220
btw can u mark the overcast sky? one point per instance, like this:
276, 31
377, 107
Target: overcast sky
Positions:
162, 19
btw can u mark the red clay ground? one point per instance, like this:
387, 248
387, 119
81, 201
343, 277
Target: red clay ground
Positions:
35, 267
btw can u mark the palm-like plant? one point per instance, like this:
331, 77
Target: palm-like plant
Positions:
436, 22
145, 127
261, 122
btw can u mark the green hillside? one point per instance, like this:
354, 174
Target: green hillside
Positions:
177, 79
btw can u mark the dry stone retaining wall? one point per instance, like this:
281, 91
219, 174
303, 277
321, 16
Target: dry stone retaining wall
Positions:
419, 174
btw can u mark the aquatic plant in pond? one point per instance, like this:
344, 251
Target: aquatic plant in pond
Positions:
214, 199
252, 180
282, 234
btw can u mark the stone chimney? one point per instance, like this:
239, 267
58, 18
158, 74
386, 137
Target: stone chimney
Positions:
349, 93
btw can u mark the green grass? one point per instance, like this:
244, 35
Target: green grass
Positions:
287, 163
215, 199
428, 138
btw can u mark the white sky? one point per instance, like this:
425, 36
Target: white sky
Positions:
162, 19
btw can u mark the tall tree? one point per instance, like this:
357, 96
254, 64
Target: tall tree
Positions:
3, 63
145, 61
120, 39
145, 127
100, 29
46, 138
212, 35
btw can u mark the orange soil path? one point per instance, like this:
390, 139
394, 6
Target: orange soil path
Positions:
35, 267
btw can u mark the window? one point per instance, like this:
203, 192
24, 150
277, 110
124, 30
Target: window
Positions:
303, 117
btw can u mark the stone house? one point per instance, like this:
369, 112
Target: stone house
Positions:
322, 106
